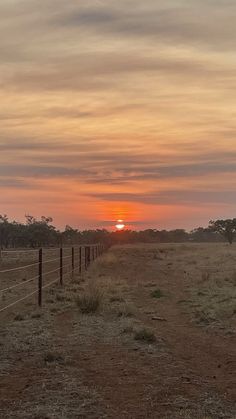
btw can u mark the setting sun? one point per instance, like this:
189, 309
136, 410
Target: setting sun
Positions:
120, 225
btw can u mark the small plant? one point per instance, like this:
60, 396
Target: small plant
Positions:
19, 318
157, 293
125, 310
36, 316
51, 357
116, 299
128, 330
145, 335
90, 301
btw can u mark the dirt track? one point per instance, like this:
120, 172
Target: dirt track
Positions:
98, 370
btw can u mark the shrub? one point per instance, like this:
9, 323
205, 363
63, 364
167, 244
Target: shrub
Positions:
51, 357
157, 293
125, 310
19, 318
145, 335
90, 301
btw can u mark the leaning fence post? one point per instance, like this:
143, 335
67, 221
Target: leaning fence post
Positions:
40, 278
61, 266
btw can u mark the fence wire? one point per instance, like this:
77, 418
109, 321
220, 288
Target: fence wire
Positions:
78, 254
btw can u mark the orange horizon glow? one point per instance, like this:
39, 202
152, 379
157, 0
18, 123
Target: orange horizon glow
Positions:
120, 225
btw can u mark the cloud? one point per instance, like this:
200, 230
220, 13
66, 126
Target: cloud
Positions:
123, 101
176, 197
181, 22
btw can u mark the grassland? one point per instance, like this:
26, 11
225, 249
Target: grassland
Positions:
148, 332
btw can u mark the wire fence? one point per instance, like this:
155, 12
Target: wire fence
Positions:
68, 261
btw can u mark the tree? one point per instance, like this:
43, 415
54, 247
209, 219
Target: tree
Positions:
227, 228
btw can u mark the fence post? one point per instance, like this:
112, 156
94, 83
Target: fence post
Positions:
85, 257
61, 266
40, 278
73, 259
80, 259
89, 255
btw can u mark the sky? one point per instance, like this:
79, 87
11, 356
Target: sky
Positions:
118, 110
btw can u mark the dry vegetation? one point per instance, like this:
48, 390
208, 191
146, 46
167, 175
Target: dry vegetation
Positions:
147, 332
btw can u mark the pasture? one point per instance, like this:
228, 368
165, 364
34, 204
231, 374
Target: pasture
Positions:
148, 331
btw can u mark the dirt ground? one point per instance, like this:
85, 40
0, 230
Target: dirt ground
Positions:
161, 344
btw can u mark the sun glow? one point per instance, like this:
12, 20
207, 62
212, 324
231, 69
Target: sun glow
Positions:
120, 225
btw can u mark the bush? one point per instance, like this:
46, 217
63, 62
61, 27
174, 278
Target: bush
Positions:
51, 357
19, 318
90, 301
157, 294
145, 335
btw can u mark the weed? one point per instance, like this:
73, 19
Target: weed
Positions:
19, 318
128, 330
157, 293
125, 310
116, 299
90, 301
145, 335
51, 357
36, 316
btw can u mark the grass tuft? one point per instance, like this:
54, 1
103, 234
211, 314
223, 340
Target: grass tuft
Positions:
90, 301
157, 293
52, 357
145, 335
19, 318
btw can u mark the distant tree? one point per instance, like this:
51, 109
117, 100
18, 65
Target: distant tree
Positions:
70, 235
227, 228
40, 232
4, 231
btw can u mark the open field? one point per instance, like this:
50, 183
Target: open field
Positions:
148, 332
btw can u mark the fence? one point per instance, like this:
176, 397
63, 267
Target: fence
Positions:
59, 262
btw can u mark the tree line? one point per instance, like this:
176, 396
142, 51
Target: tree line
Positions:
41, 232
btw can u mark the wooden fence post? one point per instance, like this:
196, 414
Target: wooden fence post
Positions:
80, 259
40, 278
86, 257
89, 255
73, 259
61, 266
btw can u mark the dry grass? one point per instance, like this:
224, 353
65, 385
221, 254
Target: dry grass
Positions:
91, 299
145, 335
117, 290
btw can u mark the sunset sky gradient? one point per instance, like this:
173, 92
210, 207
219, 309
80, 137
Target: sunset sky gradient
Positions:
118, 110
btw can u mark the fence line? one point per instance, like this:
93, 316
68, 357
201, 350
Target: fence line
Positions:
18, 301
19, 268
81, 255
17, 285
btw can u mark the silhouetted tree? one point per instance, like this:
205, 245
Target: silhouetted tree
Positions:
227, 228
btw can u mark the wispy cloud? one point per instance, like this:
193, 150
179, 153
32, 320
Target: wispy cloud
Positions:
107, 103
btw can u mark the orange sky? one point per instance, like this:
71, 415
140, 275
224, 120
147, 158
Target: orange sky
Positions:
118, 110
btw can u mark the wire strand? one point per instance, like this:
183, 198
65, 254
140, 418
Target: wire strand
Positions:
50, 283
19, 268
50, 260
18, 301
17, 285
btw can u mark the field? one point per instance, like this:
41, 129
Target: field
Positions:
148, 332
